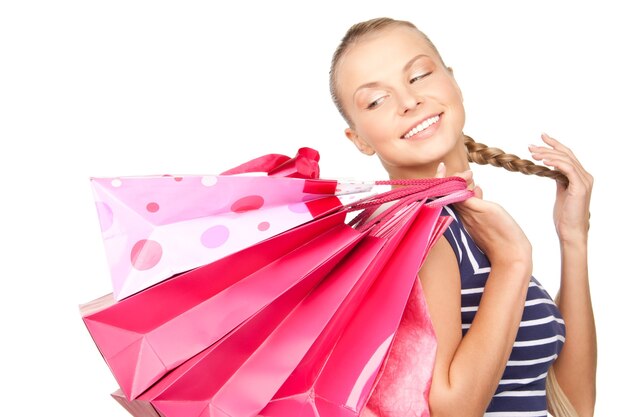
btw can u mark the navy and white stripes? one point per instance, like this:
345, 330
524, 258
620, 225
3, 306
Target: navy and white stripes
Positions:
521, 392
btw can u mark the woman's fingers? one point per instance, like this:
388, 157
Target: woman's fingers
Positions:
540, 153
473, 204
441, 170
571, 207
558, 148
468, 175
561, 158
549, 140
478, 192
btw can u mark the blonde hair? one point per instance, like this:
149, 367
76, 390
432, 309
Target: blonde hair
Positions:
352, 36
484, 155
476, 152
558, 403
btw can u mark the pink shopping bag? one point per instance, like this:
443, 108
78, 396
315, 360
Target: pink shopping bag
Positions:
239, 375
144, 336
339, 374
156, 227
135, 408
236, 377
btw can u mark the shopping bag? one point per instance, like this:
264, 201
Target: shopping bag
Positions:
135, 408
303, 165
239, 375
228, 380
144, 336
209, 372
154, 227
339, 373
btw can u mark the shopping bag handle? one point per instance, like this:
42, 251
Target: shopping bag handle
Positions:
448, 188
433, 192
303, 165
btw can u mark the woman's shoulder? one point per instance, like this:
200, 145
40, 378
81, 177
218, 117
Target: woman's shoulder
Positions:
440, 262
454, 233
470, 258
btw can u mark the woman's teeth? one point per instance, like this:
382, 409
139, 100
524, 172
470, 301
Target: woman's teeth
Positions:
421, 126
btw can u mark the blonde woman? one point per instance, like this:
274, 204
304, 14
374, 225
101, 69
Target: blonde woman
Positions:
502, 343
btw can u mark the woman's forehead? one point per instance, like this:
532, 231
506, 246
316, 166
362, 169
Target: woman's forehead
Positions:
392, 39
383, 51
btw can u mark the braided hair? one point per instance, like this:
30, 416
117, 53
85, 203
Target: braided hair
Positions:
484, 155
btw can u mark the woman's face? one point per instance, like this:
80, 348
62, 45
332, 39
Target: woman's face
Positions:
404, 104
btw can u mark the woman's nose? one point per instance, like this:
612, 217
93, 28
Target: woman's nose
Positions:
408, 101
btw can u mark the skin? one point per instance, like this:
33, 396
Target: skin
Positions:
391, 81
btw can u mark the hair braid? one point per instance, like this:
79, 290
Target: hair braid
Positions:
484, 155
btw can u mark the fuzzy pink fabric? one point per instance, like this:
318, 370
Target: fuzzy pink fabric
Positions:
404, 382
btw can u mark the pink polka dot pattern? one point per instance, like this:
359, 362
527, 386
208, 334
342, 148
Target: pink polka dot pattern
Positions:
298, 208
157, 226
251, 202
145, 254
215, 236
105, 214
152, 207
209, 180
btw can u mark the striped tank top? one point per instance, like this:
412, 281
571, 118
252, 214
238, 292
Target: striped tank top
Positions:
522, 389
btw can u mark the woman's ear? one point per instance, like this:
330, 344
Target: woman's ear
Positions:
361, 145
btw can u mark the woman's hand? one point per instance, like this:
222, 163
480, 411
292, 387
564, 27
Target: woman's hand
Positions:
492, 228
575, 368
571, 208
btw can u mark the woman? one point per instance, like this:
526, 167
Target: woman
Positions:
500, 336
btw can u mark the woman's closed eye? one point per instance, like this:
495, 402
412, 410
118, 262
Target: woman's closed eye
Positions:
418, 76
375, 102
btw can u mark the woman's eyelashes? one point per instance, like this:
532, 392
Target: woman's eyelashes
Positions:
418, 76
378, 100
375, 103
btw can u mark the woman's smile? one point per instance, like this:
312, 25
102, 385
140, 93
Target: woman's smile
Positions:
424, 128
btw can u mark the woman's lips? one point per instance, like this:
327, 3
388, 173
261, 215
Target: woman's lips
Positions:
423, 128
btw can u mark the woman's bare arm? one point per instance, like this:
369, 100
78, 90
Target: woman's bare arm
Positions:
575, 368
468, 370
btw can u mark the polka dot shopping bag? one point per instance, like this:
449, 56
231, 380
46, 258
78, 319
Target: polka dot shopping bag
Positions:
318, 347
154, 227
195, 257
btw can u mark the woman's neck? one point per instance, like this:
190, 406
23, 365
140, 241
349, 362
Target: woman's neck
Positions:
455, 163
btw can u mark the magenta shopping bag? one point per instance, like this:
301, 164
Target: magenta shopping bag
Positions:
228, 333
240, 374
135, 408
289, 344
340, 372
144, 336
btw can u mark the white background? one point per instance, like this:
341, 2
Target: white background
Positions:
116, 88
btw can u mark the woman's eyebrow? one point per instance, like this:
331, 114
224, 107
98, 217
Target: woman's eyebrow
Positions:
411, 61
